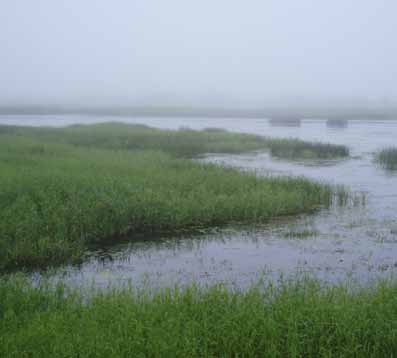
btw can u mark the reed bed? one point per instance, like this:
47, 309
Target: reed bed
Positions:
181, 143
55, 199
298, 149
292, 319
387, 158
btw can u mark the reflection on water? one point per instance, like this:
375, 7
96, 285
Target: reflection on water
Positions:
355, 242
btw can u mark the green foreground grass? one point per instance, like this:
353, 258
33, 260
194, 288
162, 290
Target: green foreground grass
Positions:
55, 199
298, 319
387, 158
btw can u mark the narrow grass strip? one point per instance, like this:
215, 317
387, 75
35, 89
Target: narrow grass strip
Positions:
181, 143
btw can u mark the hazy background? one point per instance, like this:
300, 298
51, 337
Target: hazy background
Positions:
220, 53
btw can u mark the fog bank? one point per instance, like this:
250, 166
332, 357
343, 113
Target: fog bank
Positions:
223, 54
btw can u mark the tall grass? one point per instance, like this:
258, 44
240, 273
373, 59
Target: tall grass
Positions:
300, 319
63, 189
55, 199
119, 136
181, 143
387, 158
298, 149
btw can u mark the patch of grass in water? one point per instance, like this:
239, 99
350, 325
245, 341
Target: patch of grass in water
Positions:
387, 158
304, 234
301, 319
298, 149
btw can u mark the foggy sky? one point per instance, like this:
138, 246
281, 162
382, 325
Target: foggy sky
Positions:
202, 52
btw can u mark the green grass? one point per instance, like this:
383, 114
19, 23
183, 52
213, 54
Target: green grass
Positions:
64, 189
119, 136
387, 158
181, 143
300, 319
56, 199
304, 234
298, 149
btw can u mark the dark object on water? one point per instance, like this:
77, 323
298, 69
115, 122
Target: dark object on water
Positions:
337, 123
285, 122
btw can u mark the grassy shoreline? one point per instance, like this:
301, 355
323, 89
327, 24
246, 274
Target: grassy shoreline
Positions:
64, 189
54, 201
300, 319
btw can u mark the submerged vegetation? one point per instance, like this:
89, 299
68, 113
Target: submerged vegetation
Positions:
55, 199
301, 319
387, 158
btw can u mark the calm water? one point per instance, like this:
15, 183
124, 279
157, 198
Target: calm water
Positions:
358, 243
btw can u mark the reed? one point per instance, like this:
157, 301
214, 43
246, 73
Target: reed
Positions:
61, 190
387, 158
292, 319
182, 143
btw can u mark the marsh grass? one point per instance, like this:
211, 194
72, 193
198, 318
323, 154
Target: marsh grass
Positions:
64, 189
387, 158
292, 319
298, 149
181, 143
184, 142
303, 234
55, 199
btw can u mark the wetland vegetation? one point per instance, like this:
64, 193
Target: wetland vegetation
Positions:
181, 143
387, 158
299, 149
293, 319
64, 189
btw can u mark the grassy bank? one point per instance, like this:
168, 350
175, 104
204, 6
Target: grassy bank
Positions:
293, 320
387, 158
55, 199
181, 143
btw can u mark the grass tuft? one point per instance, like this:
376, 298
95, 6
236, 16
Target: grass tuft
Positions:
298, 149
387, 158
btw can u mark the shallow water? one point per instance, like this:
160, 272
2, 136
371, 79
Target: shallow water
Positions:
351, 243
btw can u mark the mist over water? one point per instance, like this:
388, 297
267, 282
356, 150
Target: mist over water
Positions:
198, 178
228, 54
